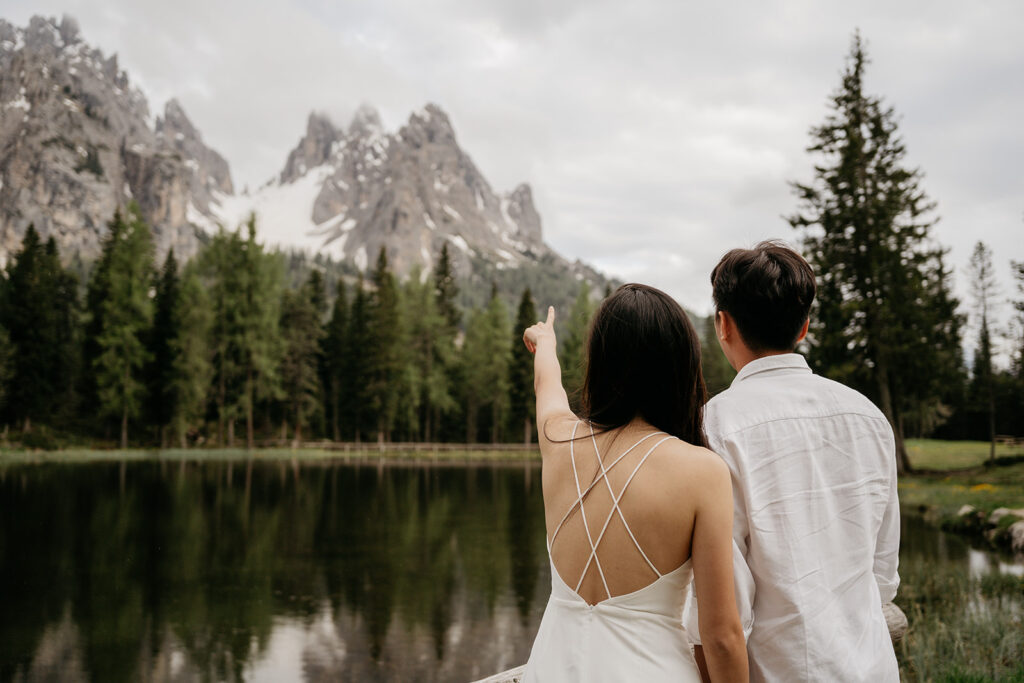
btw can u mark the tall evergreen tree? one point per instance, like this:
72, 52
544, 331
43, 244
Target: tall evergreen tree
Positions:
572, 354
258, 335
522, 406
39, 315
355, 400
428, 354
191, 353
445, 292
984, 291
127, 314
384, 350
301, 332
865, 222
160, 389
333, 352
6, 366
446, 288
486, 357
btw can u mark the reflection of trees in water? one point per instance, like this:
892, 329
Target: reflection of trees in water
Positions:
405, 565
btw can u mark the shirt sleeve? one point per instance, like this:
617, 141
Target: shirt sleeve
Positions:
743, 585
887, 547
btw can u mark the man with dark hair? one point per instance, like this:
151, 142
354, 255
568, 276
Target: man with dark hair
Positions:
816, 517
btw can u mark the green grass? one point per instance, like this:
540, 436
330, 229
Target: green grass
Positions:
934, 454
960, 628
949, 474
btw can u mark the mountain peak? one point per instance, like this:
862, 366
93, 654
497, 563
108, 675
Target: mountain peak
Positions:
314, 148
366, 120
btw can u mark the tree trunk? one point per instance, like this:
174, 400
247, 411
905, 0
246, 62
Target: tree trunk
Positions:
250, 440
885, 398
527, 431
124, 428
231, 433
334, 410
991, 423
27, 427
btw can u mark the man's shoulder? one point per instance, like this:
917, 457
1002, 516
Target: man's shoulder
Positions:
757, 401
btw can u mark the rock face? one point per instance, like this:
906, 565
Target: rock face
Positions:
76, 143
348, 191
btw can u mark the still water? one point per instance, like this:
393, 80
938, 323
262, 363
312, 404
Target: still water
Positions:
281, 571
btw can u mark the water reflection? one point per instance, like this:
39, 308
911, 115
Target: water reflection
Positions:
271, 571
286, 571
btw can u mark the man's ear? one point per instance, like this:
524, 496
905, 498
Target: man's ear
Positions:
803, 331
723, 325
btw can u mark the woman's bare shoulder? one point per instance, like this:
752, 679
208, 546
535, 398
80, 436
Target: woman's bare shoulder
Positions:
695, 464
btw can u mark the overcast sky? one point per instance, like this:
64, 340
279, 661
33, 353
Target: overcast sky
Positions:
656, 134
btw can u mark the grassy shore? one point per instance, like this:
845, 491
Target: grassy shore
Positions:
951, 474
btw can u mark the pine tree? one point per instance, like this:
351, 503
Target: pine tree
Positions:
127, 314
40, 316
445, 293
191, 369
984, 291
258, 334
522, 406
333, 350
384, 350
865, 222
446, 288
486, 357
301, 333
355, 399
161, 394
572, 354
428, 354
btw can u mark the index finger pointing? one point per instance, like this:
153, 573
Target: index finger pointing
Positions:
551, 315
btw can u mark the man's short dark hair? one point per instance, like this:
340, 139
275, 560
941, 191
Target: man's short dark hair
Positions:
768, 291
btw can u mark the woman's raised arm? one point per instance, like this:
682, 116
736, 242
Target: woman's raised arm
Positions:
547, 374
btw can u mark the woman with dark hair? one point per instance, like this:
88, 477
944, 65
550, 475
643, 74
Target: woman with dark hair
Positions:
636, 506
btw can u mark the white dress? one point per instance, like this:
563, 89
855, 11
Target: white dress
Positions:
636, 636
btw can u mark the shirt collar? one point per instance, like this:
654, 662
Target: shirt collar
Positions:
782, 361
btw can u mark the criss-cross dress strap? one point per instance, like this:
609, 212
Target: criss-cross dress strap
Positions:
616, 508
583, 512
579, 500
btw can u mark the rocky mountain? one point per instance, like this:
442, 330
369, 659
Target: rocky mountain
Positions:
77, 141
348, 191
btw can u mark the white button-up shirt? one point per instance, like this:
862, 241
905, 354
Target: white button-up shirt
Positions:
816, 521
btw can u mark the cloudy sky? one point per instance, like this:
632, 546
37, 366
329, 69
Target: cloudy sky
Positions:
656, 133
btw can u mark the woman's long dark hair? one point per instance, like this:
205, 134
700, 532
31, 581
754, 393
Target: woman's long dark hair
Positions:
643, 360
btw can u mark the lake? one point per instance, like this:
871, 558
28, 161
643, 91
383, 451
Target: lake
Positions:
286, 570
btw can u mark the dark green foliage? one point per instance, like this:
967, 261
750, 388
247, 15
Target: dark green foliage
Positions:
334, 349
884, 319
355, 397
446, 289
572, 351
126, 314
718, 374
39, 312
522, 404
301, 332
191, 369
384, 350
486, 356
160, 372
